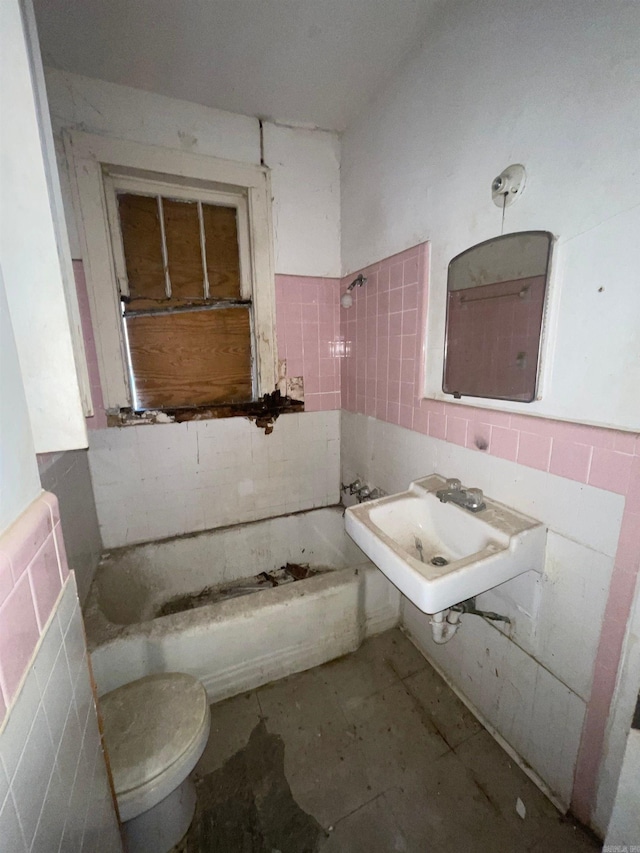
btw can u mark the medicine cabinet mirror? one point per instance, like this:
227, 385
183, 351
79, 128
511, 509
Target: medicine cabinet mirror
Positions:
495, 309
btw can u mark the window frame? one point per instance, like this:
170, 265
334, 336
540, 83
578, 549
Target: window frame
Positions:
95, 163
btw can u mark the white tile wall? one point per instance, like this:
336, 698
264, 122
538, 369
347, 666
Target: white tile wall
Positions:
538, 715
54, 794
623, 706
624, 829
530, 680
152, 482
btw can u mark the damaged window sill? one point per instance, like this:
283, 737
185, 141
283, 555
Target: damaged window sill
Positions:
264, 412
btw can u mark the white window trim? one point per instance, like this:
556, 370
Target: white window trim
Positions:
92, 157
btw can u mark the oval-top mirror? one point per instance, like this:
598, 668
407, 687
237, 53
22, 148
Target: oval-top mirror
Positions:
495, 308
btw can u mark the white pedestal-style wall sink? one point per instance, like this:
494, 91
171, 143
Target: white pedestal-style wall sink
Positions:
439, 554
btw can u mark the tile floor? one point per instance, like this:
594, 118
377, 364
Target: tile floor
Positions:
384, 755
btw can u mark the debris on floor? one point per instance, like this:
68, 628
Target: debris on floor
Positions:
299, 571
379, 752
264, 580
246, 806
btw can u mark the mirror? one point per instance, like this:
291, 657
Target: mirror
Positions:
495, 307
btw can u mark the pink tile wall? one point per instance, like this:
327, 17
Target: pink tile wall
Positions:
33, 568
98, 420
380, 370
380, 377
51, 760
308, 330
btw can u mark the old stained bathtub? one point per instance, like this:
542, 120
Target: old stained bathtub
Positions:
242, 642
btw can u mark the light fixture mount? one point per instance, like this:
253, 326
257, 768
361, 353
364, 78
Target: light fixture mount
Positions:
508, 185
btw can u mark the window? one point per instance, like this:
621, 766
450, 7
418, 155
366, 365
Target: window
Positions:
182, 268
180, 275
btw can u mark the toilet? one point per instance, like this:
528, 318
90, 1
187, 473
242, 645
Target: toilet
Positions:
155, 730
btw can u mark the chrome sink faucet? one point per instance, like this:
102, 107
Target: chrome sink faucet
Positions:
471, 499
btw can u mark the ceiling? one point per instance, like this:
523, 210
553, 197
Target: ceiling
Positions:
313, 62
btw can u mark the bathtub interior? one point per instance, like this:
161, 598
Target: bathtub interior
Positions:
235, 645
132, 584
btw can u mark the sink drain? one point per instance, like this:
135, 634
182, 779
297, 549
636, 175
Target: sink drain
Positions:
439, 561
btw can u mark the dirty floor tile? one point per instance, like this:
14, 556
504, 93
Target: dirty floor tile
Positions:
232, 722
450, 717
247, 805
371, 753
567, 836
379, 662
504, 783
326, 770
398, 741
397, 651
446, 811
371, 828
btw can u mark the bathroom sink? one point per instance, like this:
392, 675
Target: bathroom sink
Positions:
439, 554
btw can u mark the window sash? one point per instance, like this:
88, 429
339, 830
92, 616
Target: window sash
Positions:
163, 192
185, 359
115, 184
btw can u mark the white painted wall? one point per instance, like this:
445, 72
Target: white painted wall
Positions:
553, 86
19, 480
306, 181
32, 249
532, 681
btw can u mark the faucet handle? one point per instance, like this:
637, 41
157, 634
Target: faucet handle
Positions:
454, 484
476, 498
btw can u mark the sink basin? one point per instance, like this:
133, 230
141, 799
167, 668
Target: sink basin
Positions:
439, 554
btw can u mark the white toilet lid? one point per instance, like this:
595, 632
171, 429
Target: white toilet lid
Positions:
149, 724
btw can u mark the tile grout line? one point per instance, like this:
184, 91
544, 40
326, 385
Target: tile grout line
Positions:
357, 809
425, 717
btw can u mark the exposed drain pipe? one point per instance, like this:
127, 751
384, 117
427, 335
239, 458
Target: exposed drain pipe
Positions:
445, 624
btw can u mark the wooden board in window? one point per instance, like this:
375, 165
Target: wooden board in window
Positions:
193, 358
222, 253
142, 244
184, 252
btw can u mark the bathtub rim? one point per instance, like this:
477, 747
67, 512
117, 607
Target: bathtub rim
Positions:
101, 632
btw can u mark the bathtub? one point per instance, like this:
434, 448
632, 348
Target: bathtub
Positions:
241, 643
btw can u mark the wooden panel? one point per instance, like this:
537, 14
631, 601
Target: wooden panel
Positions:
223, 257
142, 240
192, 358
182, 233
